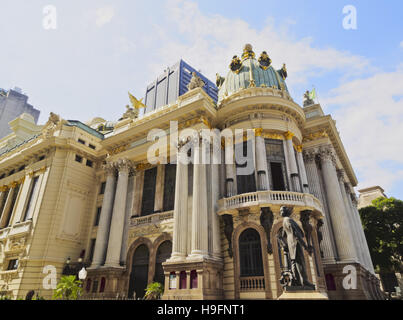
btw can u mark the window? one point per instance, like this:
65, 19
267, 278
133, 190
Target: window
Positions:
182, 280
276, 164
41, 158
92, 248
3, 201
97, 216
89, 163
102, 189
9, 213
2, 176
102, 286
250, 253
163, 253
330, 283
81, 141
193, 279
79, 158
13, 264
88, 286
29, 208
95, 286
11, 172
21, 168
246, 183
169, 187
92, 146
277, 176
147, 204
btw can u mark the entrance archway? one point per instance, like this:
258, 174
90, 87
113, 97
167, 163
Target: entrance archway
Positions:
139, 272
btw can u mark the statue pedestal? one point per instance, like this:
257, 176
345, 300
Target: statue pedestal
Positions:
301, 293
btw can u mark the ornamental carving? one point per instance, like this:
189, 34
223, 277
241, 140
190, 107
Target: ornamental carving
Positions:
266, 220
306, 226
236, 64
315, 136
340, 175
264, 60
195, 82
109, 168
124, 165
309, 155
326, 153
228, 230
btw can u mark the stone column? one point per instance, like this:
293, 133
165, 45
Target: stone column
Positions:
327, 245
180, 233
302, 170
199, 240
340, 223
101, 241
118, 216
349, 214
230, 171
215, 196
292, 163
159, 189
261, 161
366, 253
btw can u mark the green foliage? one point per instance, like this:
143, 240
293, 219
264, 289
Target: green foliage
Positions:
154, 291
68, 288
383, 227
5, 298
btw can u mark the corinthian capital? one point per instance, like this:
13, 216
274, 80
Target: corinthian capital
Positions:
327, 153
124, 165
109, 168
309, 155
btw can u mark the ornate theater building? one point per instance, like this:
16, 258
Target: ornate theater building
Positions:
75, 194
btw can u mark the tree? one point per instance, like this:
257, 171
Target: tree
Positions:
154, 291
383, 227
68, 288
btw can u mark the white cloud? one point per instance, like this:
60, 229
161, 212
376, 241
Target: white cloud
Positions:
401, 44
104, 15
369, 118
210, 41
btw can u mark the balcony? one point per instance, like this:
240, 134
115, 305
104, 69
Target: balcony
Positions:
272, 199
248, 284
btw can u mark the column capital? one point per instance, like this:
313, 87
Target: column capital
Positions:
288, 135
309, 155
299, 148
327, 153
124, 165
258, 132
109, 168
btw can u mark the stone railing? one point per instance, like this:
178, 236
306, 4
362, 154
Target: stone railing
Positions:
252, 283
153, 218
300, 201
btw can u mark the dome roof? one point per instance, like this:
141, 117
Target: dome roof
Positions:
250, 72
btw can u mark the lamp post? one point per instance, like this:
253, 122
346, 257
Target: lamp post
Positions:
82, 275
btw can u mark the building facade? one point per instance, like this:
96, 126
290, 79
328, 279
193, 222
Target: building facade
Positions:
13, 103
135, 213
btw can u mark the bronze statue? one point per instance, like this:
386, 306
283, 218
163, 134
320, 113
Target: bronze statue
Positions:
307, 99
283, 72
236, 64
264, 60
292, 241
219, 80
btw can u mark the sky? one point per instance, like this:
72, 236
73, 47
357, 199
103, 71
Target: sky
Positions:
80, 58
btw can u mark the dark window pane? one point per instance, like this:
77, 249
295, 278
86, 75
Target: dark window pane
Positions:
29, 208
163, 253
147, 204
250, 253
246, 183
97, 216
277, 176
102, 189
92, 248
12, 264
169, 187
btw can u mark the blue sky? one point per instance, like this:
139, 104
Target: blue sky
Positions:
102, 49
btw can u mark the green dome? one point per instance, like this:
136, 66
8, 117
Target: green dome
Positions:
249, 71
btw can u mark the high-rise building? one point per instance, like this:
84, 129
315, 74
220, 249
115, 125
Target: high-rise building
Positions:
13, 103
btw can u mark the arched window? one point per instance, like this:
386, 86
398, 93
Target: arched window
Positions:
163, 253
139, 274
250, 253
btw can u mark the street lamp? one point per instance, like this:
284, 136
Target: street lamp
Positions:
82, 275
